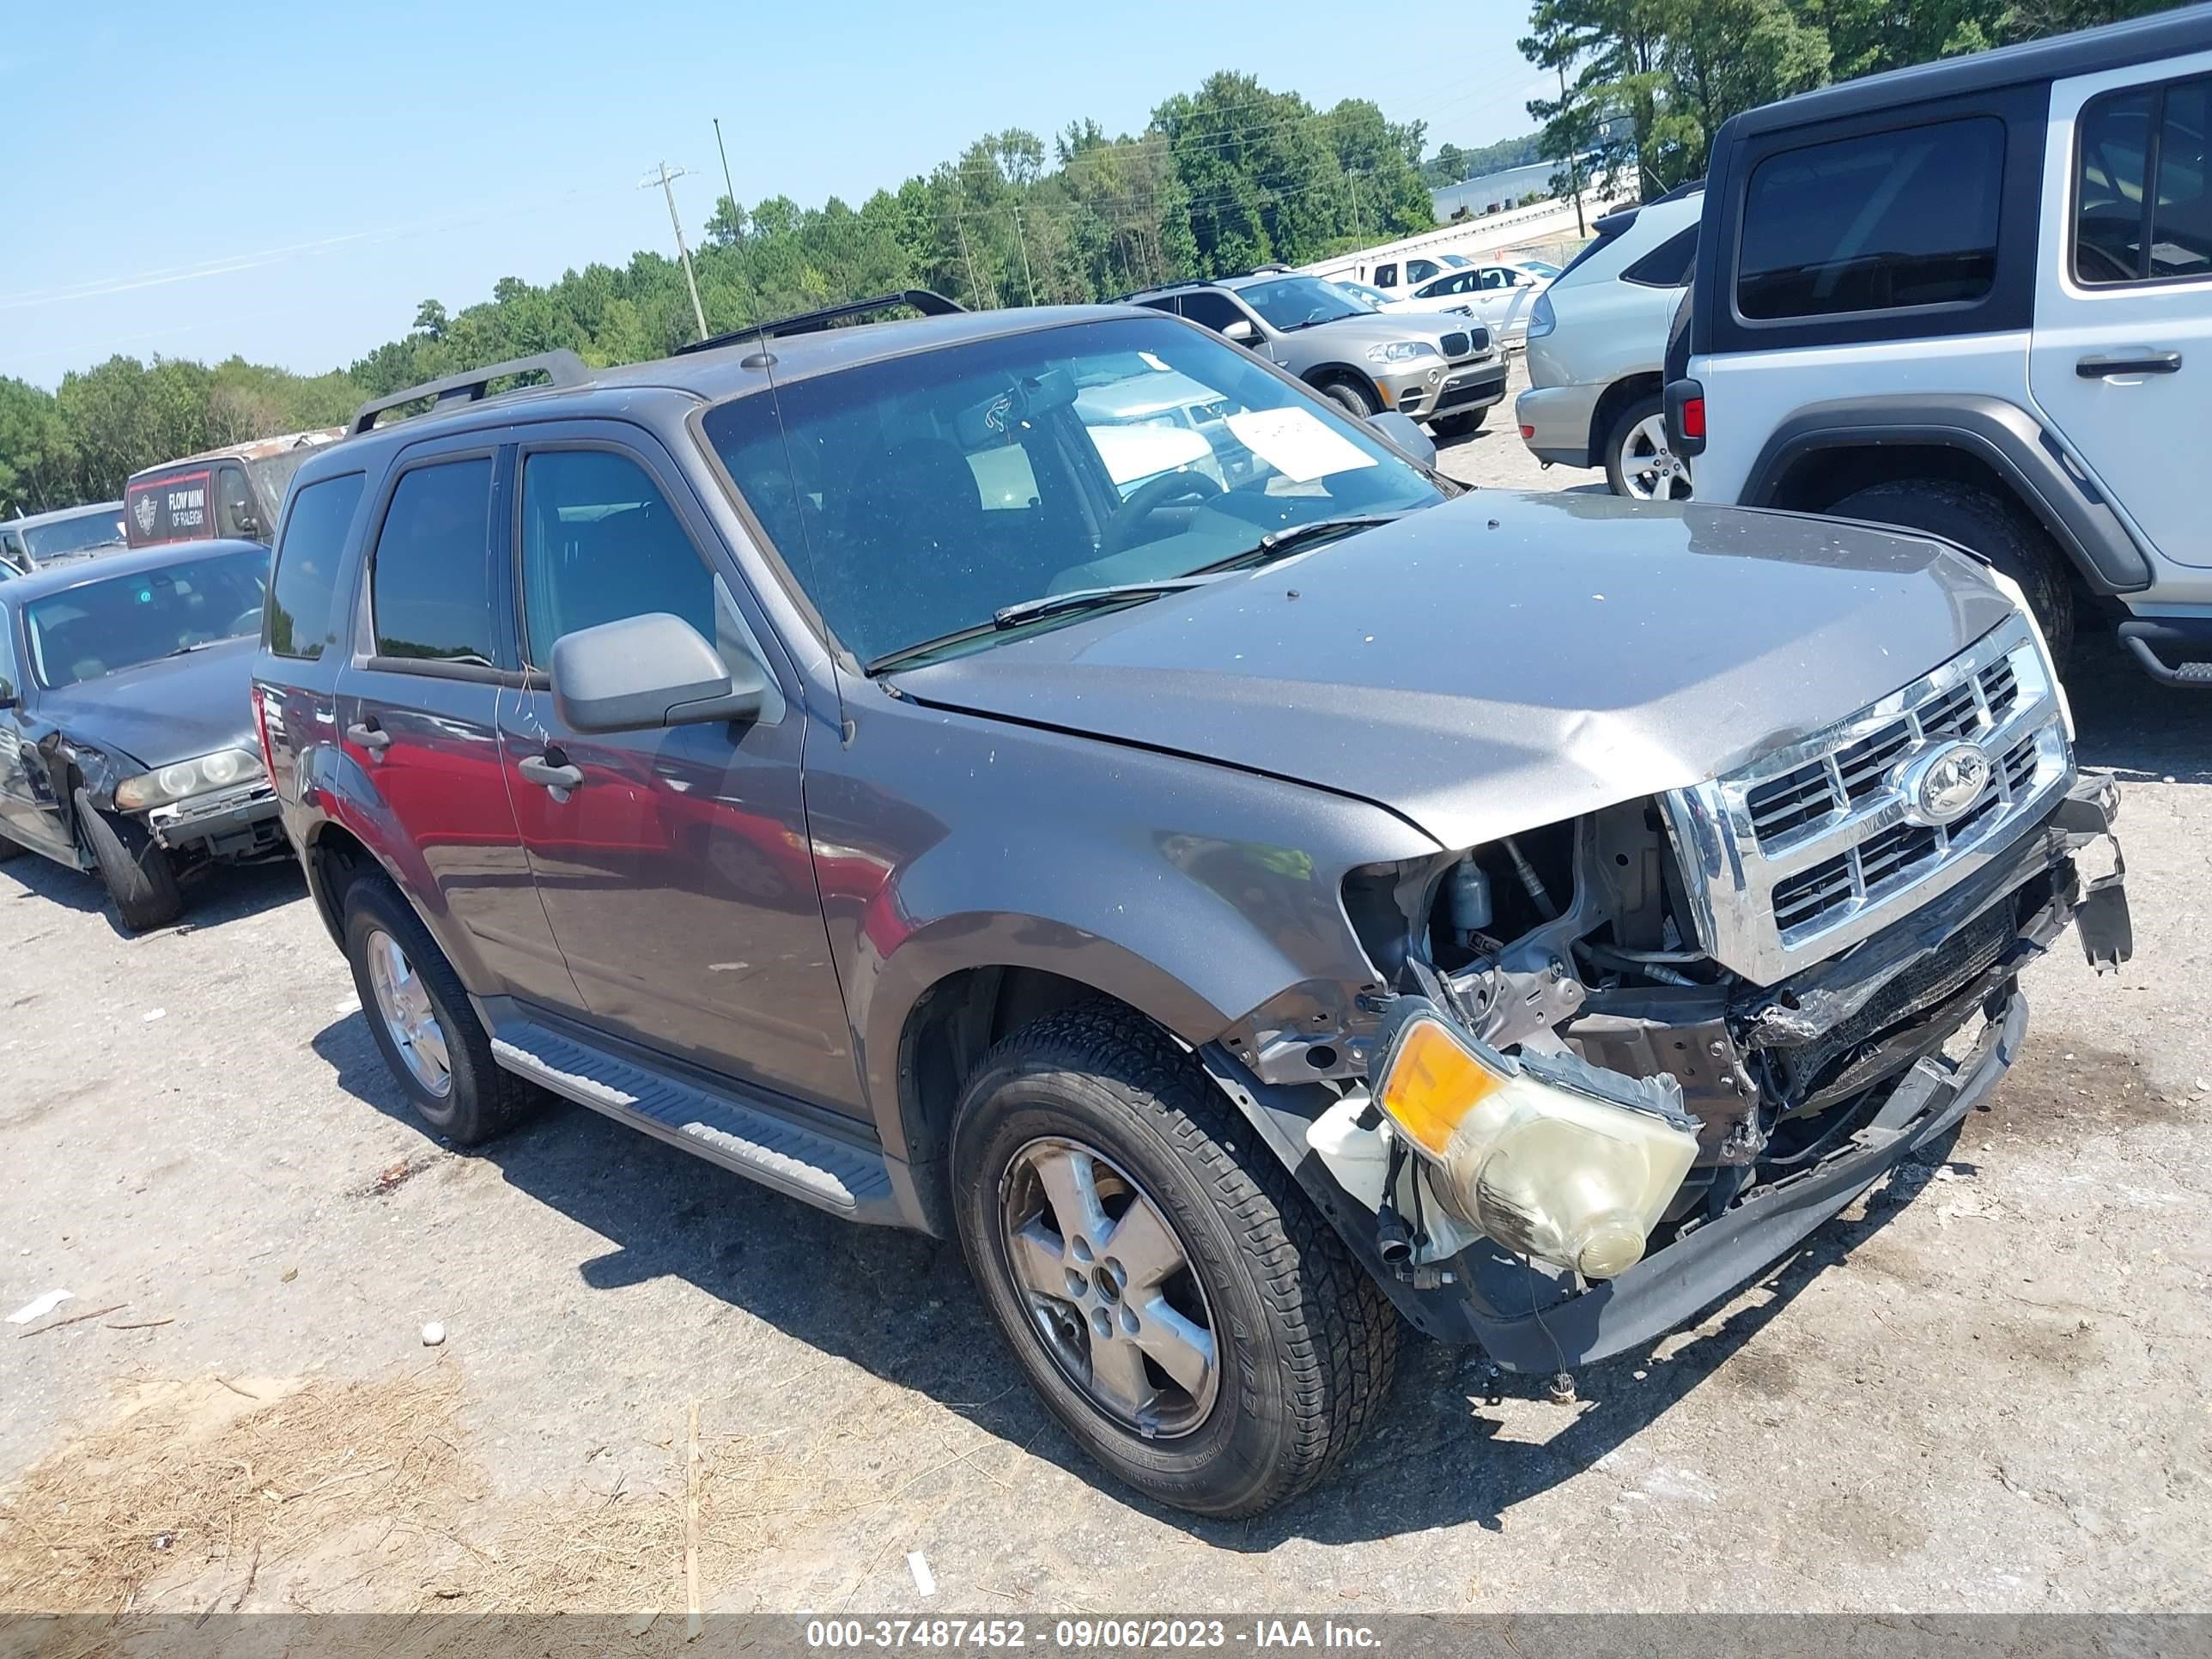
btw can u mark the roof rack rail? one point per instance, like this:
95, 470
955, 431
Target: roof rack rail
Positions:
473, 385
927, 301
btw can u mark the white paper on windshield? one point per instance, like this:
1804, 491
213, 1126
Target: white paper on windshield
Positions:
1296, 444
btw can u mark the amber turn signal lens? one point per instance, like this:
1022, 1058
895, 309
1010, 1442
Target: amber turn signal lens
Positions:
1433, 1084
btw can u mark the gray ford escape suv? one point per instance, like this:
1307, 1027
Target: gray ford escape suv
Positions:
1287, 900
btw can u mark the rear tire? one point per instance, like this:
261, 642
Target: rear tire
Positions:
1298, 1343
445, 1065
1639, 464
133, 866
1985, 524
1350, 395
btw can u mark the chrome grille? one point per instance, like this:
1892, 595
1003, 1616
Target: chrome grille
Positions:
1807, 850
1832, 784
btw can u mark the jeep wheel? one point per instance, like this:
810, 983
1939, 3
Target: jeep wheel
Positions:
1984, 523
422, 1022
1182, 1309
133, 866
1638, 462
1351, 395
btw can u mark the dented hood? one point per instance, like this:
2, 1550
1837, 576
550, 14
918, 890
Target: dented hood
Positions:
1504, 661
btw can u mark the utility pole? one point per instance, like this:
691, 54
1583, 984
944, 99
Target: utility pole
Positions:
1574, 162
974, 288
1352, 178
666, 179
1023, 242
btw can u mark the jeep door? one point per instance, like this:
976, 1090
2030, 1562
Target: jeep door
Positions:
672, 863
418, 716
2121, 360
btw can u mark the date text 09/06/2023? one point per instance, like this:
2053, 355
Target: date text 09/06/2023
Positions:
1087, 1635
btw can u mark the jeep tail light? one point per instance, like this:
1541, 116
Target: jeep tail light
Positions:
1686, 417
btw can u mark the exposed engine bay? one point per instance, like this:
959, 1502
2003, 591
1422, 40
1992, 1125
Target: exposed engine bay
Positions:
1567, 960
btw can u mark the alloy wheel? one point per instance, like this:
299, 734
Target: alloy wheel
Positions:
1652, 472
403, 1003
1109, 1287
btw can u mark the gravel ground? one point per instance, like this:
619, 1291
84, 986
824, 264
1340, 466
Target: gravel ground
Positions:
1984, 1389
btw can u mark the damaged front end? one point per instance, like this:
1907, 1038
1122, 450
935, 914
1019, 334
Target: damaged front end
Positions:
1629, 1062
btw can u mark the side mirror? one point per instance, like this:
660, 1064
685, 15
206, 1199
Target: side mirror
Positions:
1404, 433
644, 672
1241, 331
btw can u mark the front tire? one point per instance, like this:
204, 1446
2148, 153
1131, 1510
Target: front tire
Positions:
1182, 1309
1461, 426
1351, 396
425, 1025
1984, 524
133, 866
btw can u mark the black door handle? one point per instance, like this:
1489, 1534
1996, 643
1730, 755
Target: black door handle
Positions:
367, 734
2128, 362
543, 772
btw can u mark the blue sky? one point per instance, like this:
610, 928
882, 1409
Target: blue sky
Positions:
287, 180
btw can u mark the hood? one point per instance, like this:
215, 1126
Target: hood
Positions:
163, 711
1504, 661
1354, 334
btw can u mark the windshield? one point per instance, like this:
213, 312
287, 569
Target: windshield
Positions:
1290, 303
918, 497
96, 527
104, 627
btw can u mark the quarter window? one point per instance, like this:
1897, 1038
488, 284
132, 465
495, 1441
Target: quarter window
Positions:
1667, 265
600, 543
303, 599
430, 588
2140, 212
1880, 222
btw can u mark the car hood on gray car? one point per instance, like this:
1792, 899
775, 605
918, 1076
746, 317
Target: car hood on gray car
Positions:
170, 709
1501, 661
1350, 334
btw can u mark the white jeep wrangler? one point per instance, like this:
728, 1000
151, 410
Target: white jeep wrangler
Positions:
1974, 298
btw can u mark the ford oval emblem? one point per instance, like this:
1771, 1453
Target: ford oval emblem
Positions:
1941, 785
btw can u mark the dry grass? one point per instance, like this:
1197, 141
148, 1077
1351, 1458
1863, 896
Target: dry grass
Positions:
324, 1496
229, 1482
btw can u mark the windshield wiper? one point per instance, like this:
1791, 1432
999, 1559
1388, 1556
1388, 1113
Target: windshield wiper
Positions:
203, 645
1025, 611
1279, 544
1088, 598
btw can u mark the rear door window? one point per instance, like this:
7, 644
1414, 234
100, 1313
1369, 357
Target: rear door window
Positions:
430, 583
303, 603
1882, 221
2141, 213
1215, 310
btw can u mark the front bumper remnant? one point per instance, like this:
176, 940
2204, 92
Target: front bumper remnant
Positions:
231, 823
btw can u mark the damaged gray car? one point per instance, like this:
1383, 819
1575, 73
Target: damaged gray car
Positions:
1286, 901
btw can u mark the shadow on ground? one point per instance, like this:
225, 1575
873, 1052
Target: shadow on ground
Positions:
213, 896
901, 1306
2129, 723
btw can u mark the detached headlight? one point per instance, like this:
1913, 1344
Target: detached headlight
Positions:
1530, 1151
1402, 351
220, 770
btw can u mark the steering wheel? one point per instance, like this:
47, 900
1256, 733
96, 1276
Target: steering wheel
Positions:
1147, 498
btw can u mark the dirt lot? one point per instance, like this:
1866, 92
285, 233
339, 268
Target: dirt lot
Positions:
1986, 1389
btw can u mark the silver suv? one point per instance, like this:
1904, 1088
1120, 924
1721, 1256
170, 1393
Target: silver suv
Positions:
1441, 370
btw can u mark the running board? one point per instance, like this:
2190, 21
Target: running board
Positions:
833, 1174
